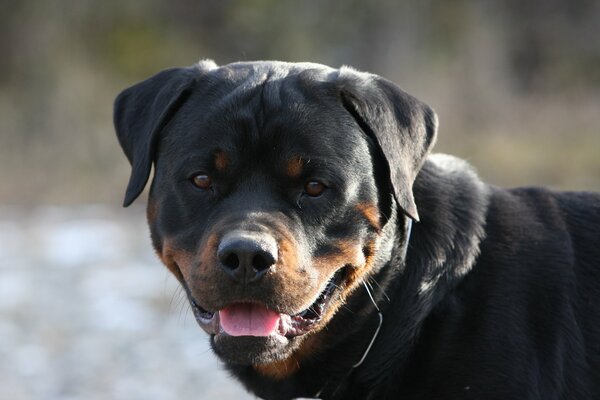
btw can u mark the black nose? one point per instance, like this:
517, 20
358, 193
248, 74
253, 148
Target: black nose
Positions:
247, 256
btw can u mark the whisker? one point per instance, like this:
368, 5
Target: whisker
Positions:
380, 288
176, 297
186, 313
345, 307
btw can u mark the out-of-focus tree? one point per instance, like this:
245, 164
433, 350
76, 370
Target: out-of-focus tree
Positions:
503, 75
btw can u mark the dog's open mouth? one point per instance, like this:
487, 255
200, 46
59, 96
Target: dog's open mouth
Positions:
255, 319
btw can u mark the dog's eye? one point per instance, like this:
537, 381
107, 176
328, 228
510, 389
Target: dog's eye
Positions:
314, 188
202, 181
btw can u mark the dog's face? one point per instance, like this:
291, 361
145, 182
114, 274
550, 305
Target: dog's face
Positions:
267, 212
272, 185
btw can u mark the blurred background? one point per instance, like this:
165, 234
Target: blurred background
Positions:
86, 311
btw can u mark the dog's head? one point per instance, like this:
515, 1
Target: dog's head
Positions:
273, 185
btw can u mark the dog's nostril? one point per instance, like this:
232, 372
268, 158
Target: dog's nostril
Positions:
231, 261
262, 261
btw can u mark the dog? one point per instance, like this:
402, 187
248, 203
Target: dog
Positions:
329, 255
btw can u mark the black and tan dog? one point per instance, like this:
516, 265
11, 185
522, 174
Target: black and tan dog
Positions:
283, 199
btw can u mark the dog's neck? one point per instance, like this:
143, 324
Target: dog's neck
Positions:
450, 195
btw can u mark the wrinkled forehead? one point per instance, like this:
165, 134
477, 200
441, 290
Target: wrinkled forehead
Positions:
266, 113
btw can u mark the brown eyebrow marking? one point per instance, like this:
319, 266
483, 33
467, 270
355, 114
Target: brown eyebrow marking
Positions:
294, 166
221, 160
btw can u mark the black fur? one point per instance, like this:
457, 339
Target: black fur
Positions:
494, 295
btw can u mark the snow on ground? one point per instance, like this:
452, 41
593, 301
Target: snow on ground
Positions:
87, 312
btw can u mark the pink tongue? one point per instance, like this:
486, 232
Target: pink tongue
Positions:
248, 319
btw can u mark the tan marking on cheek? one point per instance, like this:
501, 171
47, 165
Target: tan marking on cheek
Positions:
290, 274
288, 254
345, 253
182, 262
207, 263
176, 260
356, 275
293, 168
174, 268
221, 160
209, 249
371, 213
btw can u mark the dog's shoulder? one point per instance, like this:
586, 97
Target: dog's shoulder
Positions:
516, 263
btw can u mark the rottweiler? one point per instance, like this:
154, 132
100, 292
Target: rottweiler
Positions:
328, 255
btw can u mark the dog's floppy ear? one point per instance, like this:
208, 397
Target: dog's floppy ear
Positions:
140, 113
403, 127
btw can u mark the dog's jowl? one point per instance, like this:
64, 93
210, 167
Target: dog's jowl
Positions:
327, 254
